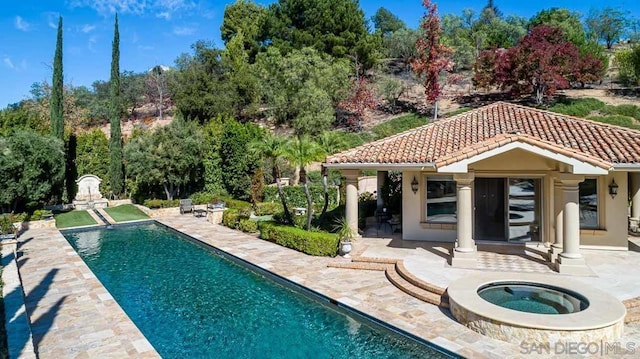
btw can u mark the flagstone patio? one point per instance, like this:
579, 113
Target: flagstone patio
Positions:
72, 315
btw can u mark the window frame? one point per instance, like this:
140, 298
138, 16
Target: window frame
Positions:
599, 204
425, 200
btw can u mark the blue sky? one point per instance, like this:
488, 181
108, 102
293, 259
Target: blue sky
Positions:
154, 32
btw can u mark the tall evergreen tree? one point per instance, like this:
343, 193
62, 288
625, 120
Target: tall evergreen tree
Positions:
115, 112
57, 121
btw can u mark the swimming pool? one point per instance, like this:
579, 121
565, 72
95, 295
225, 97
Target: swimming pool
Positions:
190, 301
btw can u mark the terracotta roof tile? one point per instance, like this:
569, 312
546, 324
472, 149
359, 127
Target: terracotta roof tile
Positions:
495, 125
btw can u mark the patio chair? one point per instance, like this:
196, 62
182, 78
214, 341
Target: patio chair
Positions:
186, 205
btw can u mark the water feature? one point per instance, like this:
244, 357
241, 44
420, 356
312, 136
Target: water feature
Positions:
533, 298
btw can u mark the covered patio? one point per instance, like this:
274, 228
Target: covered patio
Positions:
505, 174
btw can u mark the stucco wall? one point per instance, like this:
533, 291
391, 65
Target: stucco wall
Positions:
613, 211
613, 214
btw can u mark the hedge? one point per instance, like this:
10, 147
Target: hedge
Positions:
268, 208
312, 243
296, 198
161, 203
248, 226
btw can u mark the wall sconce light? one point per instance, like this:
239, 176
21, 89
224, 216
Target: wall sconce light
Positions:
613, 188
414, 185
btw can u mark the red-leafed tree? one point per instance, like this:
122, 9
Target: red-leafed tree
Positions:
542, 62
433, 57
361, 99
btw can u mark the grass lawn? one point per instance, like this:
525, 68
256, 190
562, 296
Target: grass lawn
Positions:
125, 212
73, 219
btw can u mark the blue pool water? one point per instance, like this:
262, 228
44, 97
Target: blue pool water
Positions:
190, 302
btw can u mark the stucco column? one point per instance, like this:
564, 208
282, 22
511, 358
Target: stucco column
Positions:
634, 180
570, 261
382, 179
465, 253
558, 218
351, 178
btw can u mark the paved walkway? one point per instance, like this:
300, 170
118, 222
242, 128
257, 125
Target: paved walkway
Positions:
74, 316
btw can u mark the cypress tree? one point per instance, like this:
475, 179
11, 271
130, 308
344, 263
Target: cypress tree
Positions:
115, 111
57, 121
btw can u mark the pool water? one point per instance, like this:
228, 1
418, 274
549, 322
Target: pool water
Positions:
533, 298
191, 302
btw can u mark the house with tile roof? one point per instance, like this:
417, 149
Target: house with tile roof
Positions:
509, 174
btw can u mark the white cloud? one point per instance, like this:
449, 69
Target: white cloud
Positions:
86, 28
52, 18
163, 8
8, 63
183, 30
92, 41
21, 24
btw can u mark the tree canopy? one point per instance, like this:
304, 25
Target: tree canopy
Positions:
31, 167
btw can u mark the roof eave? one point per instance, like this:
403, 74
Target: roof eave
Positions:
428, 166
626, 167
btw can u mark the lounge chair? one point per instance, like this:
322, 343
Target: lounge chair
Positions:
186, 205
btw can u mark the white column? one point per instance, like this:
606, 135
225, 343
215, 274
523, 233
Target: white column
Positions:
382, 179
634, 180
351, 177
570, 261
558, 211
465, 253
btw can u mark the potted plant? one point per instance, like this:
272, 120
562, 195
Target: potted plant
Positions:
345, 234
7, 229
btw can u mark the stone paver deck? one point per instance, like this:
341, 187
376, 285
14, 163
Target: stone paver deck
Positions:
74, 316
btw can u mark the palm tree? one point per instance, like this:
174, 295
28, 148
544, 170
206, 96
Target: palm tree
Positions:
330, 142
300, 152
272, 148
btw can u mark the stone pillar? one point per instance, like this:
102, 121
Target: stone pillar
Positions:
465, 253
570, 261
558, 211
382, 179
634, 181
351, 177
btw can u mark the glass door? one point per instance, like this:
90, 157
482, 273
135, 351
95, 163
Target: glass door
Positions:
490, 216
524, 199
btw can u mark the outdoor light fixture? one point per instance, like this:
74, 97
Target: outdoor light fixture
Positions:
613, 188
414, 185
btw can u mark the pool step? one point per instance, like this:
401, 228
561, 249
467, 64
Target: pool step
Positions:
633, 315
399, 276
632, 303
409, 277
360, 265
422, 294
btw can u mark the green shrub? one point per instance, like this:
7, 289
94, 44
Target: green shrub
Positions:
6, 224
617, 120
248, 226
312, 243
577, 107
237, 204
296, 198
202, 197
267, 208
39, 214
161, 203
624, 110
231, 218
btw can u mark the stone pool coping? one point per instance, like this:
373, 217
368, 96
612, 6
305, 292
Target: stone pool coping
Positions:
604, 309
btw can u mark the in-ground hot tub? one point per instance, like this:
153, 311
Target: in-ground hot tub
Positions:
534, 308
